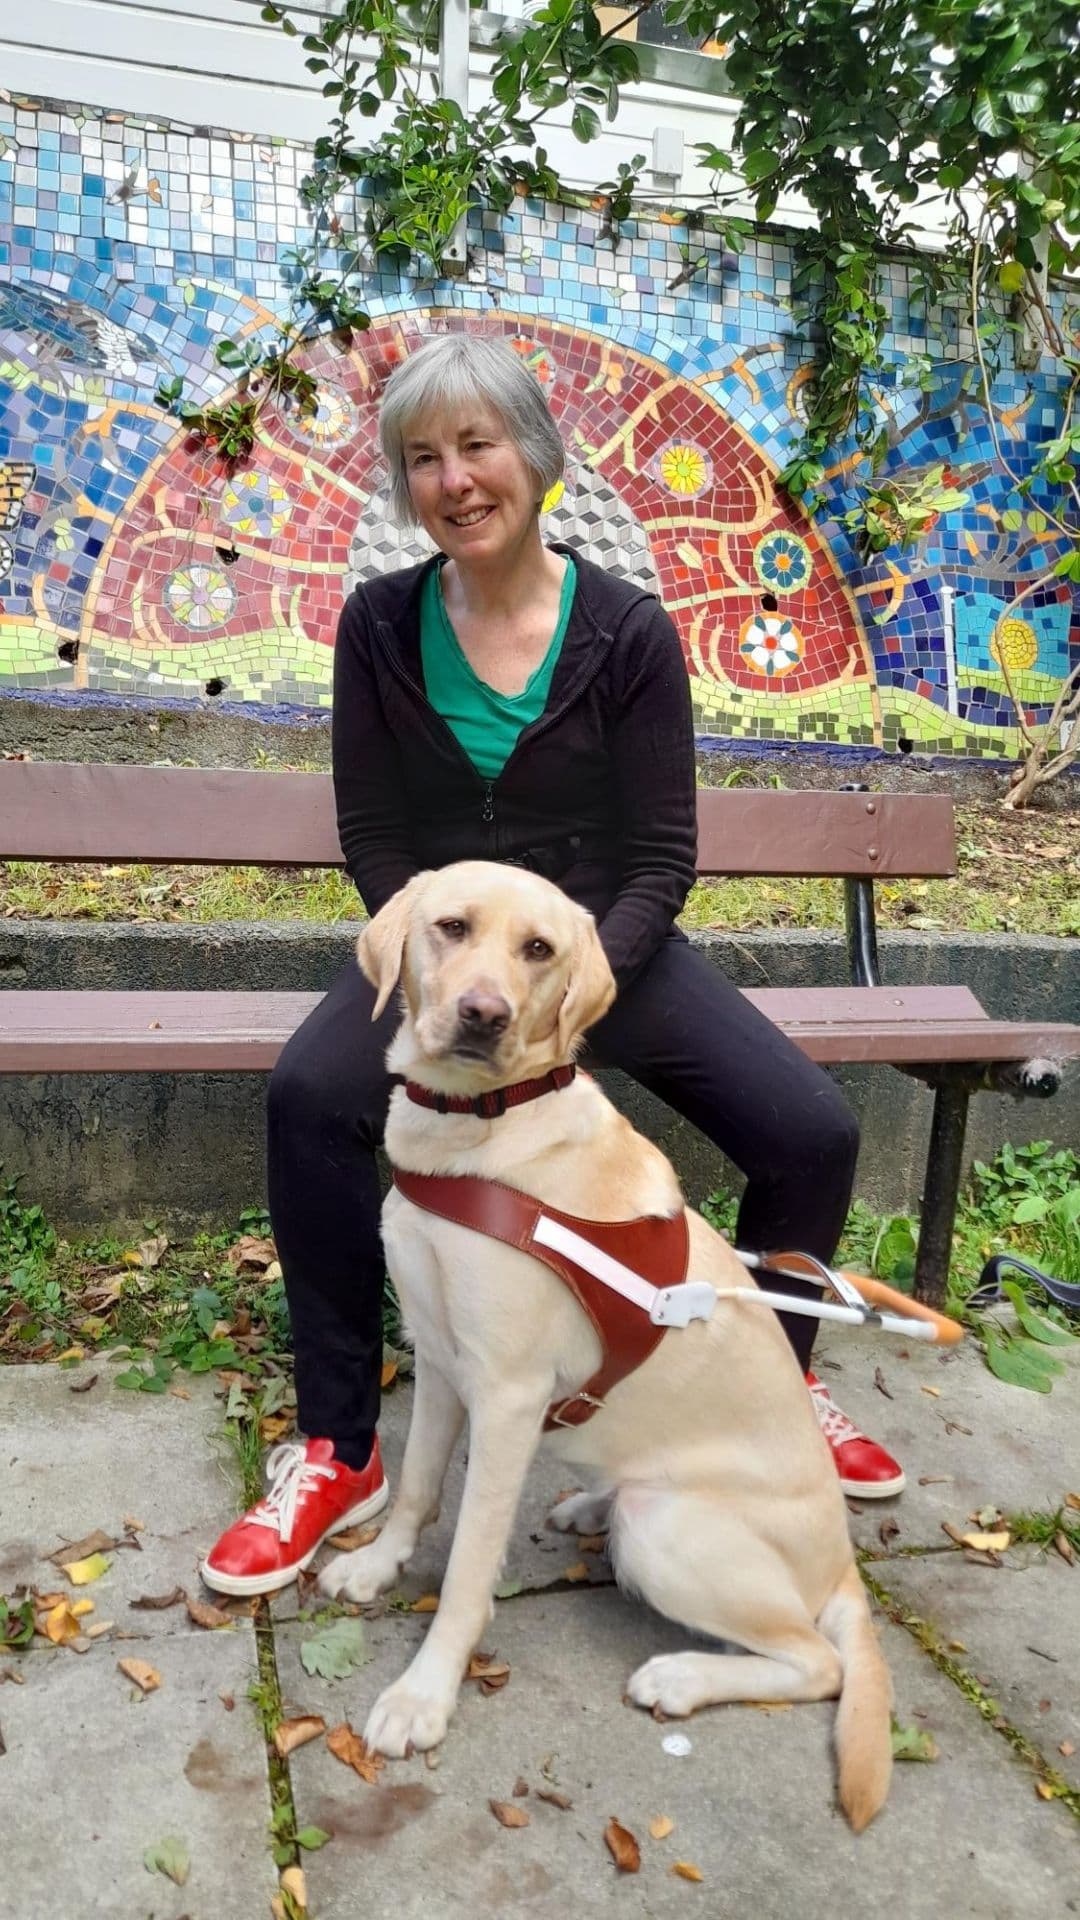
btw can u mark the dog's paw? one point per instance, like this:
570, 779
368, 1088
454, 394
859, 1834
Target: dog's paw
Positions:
582, 1513
669, 1682
361, 1575
406, 1720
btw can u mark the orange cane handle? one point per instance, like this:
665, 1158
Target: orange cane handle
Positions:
947, 1332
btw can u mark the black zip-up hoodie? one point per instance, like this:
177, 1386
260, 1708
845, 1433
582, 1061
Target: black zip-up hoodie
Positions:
597, 795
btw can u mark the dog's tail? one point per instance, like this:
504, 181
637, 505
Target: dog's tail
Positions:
863, 1720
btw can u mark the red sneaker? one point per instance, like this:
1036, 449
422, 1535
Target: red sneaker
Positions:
310, 1495
866, 1471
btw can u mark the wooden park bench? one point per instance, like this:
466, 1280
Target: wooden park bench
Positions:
179, 816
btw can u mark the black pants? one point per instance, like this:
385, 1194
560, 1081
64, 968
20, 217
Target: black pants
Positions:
680, 1028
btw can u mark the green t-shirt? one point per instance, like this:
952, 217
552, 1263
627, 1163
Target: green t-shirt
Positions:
485, 722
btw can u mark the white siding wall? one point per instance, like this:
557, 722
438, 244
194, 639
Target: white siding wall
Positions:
216, 63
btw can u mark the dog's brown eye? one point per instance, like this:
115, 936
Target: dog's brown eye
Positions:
453, 929
538, 950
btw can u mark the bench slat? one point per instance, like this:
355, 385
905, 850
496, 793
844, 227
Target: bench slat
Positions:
221, 817
91, 1031
838, 835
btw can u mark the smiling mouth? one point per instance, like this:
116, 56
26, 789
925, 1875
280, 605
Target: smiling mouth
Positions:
473, 519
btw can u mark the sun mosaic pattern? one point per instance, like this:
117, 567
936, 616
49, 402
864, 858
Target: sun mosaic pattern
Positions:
134, 563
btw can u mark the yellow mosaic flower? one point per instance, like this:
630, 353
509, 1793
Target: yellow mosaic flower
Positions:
1015, 645
684, 469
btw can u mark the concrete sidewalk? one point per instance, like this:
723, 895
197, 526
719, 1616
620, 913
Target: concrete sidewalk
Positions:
94, 1772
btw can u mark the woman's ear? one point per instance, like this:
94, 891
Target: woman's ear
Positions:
381, 946
591, 987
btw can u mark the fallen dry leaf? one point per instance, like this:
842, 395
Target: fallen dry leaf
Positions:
96, 1542
155, 1602
888, 1530
151, 1251
82, 1572
227, 1701
205, 1615
554, 1798
250, 1254
1044, 1790
1073, 1500
593, 1542
577, 1572
935, 1479
103, 1626
957, 1646
661, 1827
352, 1538
879, 1382
133, 1526
1067, 1749
935, 1392
273, 1426
686, 1871
295, 1885
352, 1751
146, 1677
508, 1815
389, 1374
290, 1734
60, 1625
81, 1607
492, 1674
178, 1392
622, 1847
986, 1542
427, 1603
1065, 1547
520, 1787
84, 1386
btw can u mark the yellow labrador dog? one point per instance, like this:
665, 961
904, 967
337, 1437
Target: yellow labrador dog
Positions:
707, 1463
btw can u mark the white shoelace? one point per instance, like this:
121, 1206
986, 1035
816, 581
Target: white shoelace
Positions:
832, 1419
290, 1474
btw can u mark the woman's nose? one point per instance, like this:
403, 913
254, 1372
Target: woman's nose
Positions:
456, 477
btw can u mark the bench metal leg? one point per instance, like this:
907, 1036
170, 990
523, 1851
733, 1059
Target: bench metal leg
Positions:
941, 1192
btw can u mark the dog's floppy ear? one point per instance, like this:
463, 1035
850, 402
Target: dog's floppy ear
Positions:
591, 988
382, 943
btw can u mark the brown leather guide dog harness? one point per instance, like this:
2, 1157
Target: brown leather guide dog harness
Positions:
645, 1259
651, 1246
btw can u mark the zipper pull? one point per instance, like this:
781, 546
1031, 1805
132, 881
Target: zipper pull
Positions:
488, 814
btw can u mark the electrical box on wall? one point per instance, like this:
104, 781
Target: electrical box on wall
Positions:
667, 156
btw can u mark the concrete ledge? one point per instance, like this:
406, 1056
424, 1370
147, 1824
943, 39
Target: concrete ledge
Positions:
97, 1150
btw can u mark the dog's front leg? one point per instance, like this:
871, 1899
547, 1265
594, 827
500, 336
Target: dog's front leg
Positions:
436, 1422
414, 1713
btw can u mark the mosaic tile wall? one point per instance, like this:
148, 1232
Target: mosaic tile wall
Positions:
130, 565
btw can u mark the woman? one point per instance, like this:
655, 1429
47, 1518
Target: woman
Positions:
508, 700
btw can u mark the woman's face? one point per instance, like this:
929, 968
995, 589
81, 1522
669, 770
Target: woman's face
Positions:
470, 488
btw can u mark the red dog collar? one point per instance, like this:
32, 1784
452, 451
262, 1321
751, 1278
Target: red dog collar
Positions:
491, 1106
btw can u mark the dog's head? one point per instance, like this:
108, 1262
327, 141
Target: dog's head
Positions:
501, 973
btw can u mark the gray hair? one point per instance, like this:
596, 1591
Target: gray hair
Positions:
449, 373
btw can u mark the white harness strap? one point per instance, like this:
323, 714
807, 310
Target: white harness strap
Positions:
696, 1299
665, 1306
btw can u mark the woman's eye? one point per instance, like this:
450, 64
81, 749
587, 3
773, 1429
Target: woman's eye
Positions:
538, 950
453, 929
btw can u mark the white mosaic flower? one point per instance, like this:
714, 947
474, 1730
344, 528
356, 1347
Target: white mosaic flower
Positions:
770, 644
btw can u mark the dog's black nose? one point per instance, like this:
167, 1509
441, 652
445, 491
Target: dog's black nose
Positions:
484, 1016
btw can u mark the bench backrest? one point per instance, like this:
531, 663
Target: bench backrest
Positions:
209, 816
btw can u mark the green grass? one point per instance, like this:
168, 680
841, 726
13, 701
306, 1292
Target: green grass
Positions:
1016, 874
